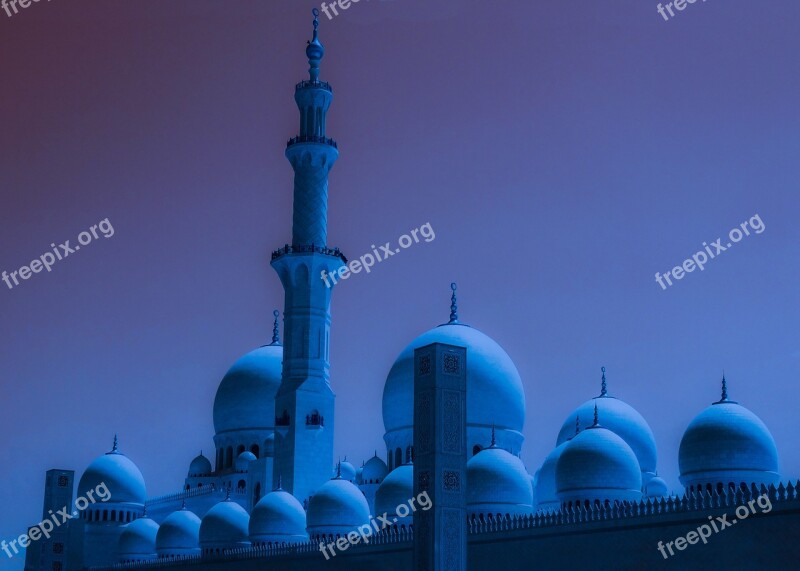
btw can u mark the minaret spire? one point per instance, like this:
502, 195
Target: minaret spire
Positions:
315, 50
453, 304
276, 339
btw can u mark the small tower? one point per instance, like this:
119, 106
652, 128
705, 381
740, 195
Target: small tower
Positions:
304, 404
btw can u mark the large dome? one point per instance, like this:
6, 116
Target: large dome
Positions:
494, 388
246, 396
337, 507
278, 518
138, 541
179, 534
497, 483
123, 479
395, 491
226, 526
622, 419
598, 465
727, 444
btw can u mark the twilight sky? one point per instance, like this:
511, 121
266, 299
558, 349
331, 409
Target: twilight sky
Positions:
563, 152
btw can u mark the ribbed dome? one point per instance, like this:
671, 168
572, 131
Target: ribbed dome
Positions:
179, 534
395, 491
374, 471
246, 396
497, 483
121, 476
243, 461
277, 518
200, 466
225, 526
622, 419
727, 444
546, 492
598, 465
494, 389
138, 541
656, 488
337, 507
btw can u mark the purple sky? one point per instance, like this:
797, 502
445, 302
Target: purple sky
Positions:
562, 151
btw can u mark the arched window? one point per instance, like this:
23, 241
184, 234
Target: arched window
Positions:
408, 454
229, 459
720, 488
241, 485
255, 450
398, 457
257, 493
240, 449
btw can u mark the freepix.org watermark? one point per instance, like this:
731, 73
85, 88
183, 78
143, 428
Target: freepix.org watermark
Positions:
46, 526
679, 5
382, 522
701, 258
368, 260
48, 259
717, 523
7, 5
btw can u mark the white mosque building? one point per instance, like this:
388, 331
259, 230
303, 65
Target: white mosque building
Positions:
271, 490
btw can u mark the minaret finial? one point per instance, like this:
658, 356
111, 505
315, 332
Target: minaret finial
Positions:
603, 385
276, 339
315, 50
453, 304
494, 437
596, 416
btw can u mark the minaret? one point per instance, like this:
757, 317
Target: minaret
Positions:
304, 402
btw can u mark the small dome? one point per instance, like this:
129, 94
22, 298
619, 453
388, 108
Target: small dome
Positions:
497, 483
495, 394
246, 396
226, 526
200, 466
138, 541
348, 471
656, 488
546, 492
122, 477
597, 465
243, 461
278, 518
621, 419
395, 492
179, 534
374, 471
727, 444
338, 506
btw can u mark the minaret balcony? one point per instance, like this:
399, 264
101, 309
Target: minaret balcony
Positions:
308, 249
312, 139
309, 84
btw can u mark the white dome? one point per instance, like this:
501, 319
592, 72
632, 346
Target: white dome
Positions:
226, 526
337, 507
497, 483
346, 470
138, 541
546, 493
121, 476
179, 534
243, 461
495, 395
245, 398
200, 466
656, 488
597, 465
726, 445
621, 419
396, 491
278, 518
374, 471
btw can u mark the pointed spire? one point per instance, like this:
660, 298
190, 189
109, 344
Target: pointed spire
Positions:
280, 483
724, 387
453, 304
315, 50
494, 438
276, 339
339, 470
596, 417
115, 447
603, 385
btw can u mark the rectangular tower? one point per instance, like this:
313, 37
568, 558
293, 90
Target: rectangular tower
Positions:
440, 457
51, 554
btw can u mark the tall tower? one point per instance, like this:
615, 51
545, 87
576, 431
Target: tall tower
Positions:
304, 403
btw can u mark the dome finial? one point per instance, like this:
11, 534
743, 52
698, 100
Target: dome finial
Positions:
115, 447
276, 339
228, 494
339, 470
603, 385
494, 437
596, 417
577, 424
315, 50
724, 387
453, 304
183, 504
280, 483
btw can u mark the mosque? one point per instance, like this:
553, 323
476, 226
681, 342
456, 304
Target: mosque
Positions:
271, 491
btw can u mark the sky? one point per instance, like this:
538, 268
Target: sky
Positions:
563, 153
